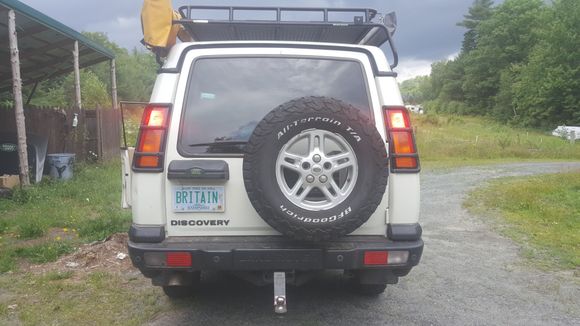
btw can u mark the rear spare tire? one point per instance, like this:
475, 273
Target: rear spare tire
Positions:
315, 168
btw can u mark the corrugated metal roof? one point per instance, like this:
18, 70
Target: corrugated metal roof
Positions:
45, 46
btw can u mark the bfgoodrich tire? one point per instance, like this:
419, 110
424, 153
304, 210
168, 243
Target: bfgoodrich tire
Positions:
315, 168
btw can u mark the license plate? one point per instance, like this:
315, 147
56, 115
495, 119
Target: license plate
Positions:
202, 199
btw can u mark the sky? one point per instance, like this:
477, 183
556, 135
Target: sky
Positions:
426, 30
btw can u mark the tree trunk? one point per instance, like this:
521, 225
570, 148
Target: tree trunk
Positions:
114, 84
18, 104
78, 102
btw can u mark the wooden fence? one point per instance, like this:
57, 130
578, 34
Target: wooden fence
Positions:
97, 135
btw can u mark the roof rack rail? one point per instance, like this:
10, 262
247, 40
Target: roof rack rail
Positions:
287, 24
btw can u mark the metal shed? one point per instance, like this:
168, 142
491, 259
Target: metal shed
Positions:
35, 47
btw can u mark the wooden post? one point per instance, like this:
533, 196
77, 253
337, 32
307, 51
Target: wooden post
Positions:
99, 124
81, 141
78, 102
18, 104
572, 137
114, 84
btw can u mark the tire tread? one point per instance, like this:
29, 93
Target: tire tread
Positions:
313, 105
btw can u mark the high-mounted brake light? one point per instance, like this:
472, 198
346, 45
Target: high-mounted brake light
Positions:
150, 149
402, 149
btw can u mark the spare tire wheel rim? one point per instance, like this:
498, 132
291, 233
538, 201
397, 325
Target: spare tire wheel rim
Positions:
316, 169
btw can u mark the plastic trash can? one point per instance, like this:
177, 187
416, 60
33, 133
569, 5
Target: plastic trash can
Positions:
60, 165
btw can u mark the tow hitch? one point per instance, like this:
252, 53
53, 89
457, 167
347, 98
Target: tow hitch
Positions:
280, 292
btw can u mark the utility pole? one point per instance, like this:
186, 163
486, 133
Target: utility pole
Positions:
18, 103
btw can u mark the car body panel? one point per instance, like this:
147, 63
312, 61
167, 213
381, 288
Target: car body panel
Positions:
152, 192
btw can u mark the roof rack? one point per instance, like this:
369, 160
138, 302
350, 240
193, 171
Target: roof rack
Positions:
287, 24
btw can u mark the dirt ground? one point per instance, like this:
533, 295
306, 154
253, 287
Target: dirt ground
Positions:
109, 255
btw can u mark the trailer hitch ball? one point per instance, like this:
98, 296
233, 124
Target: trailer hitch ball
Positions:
280, 292
280, 306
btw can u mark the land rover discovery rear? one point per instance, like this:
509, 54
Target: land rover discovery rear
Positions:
284, 154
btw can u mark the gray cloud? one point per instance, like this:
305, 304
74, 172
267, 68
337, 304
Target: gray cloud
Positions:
426, 28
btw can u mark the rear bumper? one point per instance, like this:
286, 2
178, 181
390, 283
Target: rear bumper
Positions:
269, 253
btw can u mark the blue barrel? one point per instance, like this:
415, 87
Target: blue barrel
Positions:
60, 165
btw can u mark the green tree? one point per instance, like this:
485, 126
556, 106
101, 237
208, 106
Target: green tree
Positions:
136, 70
59, 92
447, 79
94, 92
505, 39
479, 11
520, 65
548, 90
49, 93
417, 90
504, 109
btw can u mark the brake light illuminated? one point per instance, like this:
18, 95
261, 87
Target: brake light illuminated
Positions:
402, 149
178, 259
151, 141
397, 119
376, 257
156, 117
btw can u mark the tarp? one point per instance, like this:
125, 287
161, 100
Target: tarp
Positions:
37, 147
159, 32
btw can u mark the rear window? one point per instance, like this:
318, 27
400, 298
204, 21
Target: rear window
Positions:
227, 97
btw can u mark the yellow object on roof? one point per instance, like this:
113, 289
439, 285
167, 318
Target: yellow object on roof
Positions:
159, 32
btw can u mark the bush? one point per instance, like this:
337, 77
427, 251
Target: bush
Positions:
504, 141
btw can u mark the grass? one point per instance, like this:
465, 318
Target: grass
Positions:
447, 140
540, 212
96, 298
87, 208
46, 221
44, 253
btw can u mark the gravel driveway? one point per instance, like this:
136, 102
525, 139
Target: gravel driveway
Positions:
469, 275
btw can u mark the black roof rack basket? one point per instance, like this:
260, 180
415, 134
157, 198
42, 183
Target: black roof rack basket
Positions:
287, 24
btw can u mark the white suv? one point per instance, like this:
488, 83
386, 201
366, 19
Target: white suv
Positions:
273, 155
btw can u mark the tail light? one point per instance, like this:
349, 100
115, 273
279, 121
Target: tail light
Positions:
150, 151
178, 259
382, 257
402, 148
376, 258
